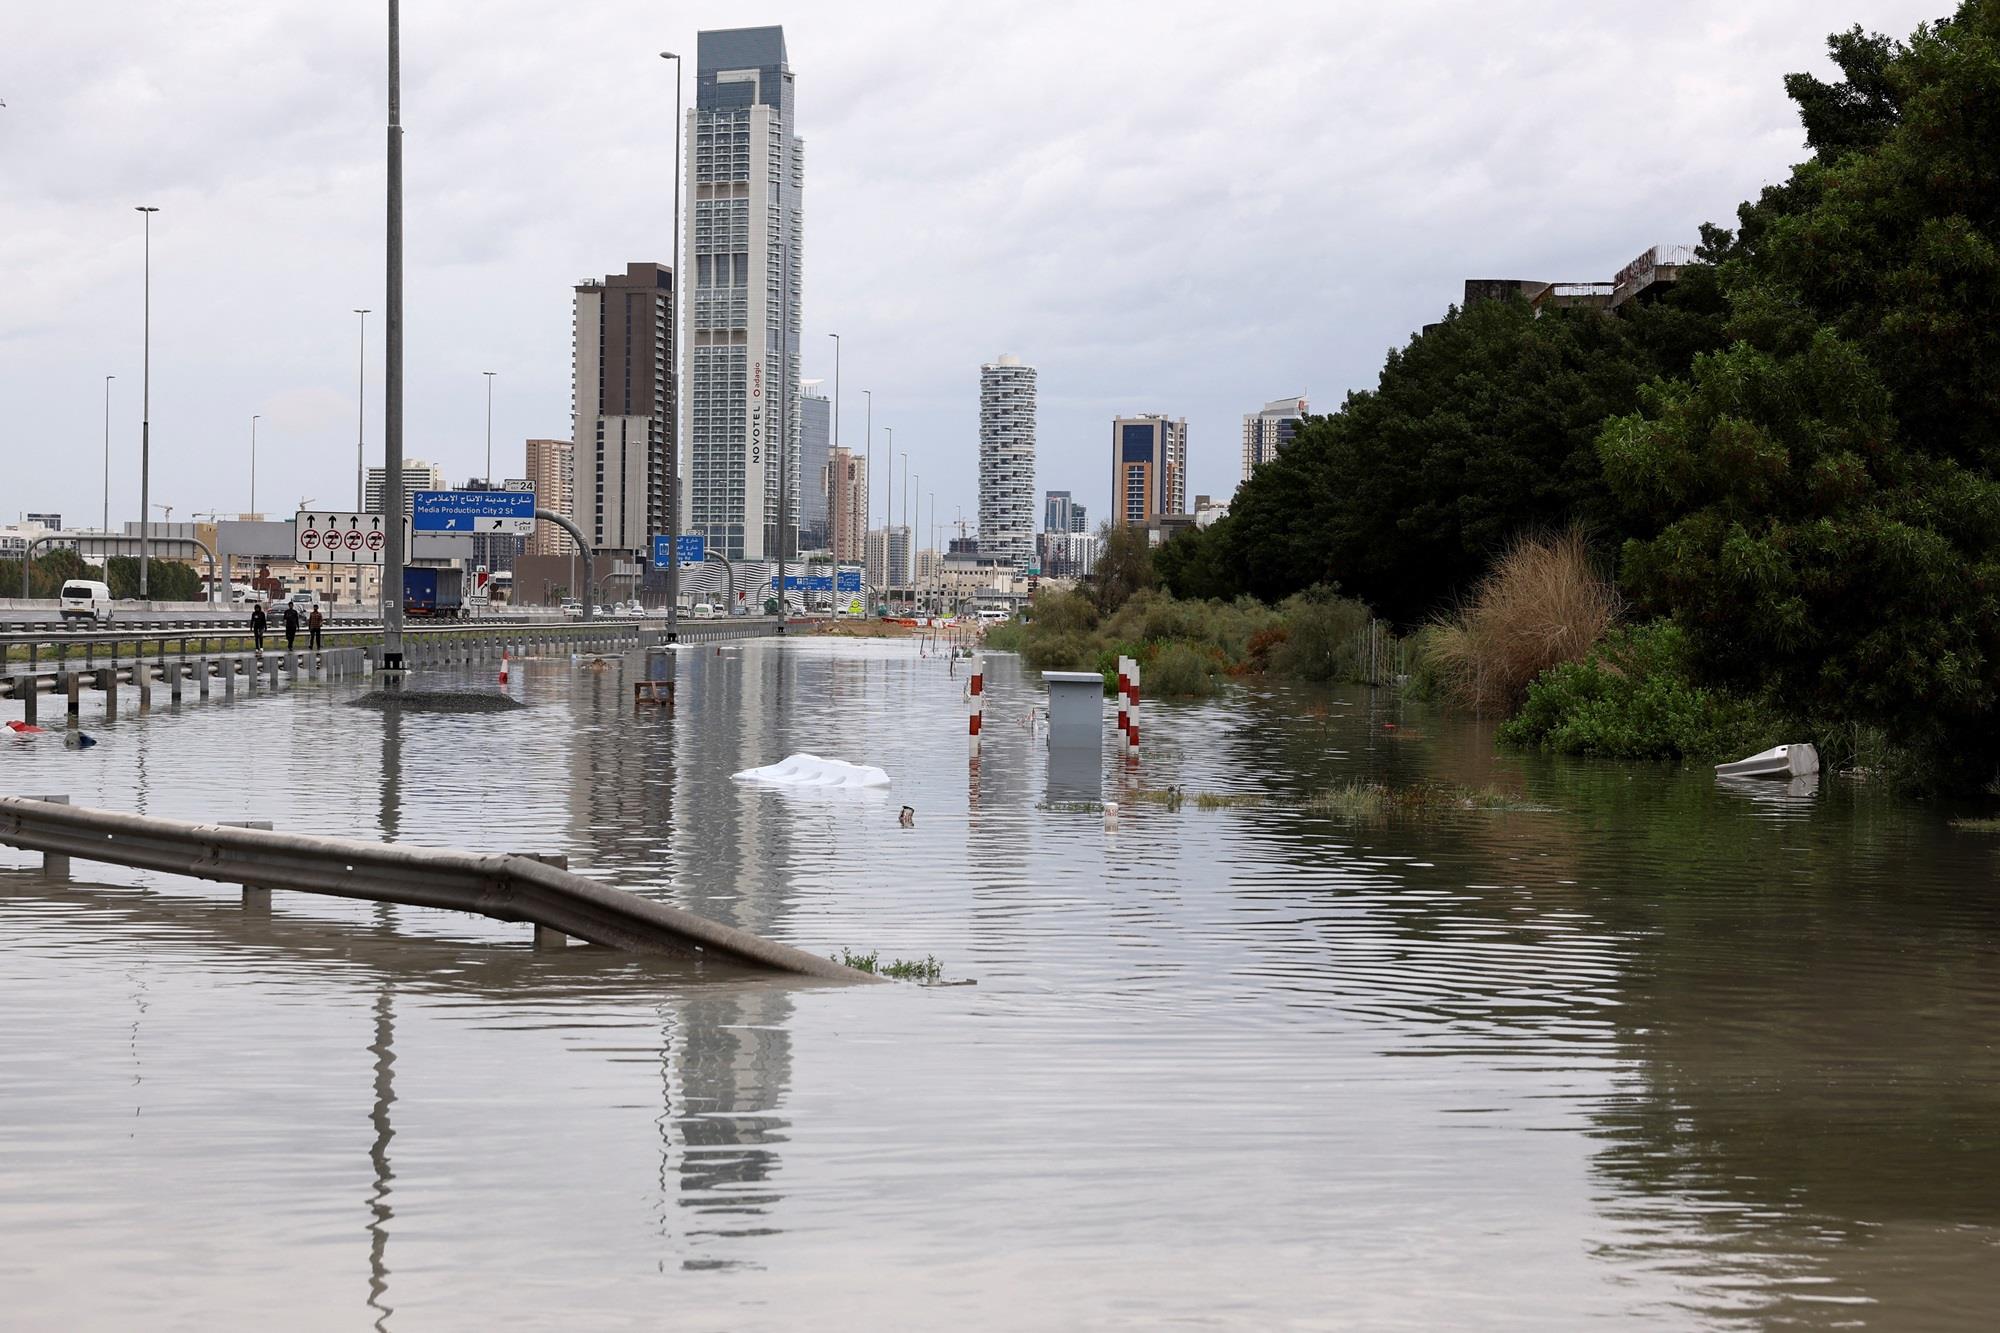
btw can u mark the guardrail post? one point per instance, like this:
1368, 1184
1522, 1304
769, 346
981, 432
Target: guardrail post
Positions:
107, 680
201, 666
72, 688
228, 665
272, 660
142, 676
30, 688
256, 897
55, 865
174, 680
544, 937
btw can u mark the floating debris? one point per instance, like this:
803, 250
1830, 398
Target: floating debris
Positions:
809, 770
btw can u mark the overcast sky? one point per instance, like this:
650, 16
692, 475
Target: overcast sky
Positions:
1164, 206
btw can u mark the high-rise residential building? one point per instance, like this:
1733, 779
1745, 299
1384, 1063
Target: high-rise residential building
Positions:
745, 224
815, 441
417, 476
845, 483
552, 475
1267, 432
622, 406
1079, 518
1069, 554
1148, 468
1058, 511
888, 562
1007, 461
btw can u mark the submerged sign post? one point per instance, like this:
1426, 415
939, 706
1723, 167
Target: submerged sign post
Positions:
473, 512
694, 549
338, 539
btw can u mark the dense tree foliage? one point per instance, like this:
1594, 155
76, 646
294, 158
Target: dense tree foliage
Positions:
1816, 505
1482, 428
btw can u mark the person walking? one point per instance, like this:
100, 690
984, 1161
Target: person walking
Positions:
291, 626
313, 623
257, 626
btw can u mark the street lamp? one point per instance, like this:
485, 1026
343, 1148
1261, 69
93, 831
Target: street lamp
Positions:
146, 414
489, 374
107, 451
360, 427
674, 444
253, 463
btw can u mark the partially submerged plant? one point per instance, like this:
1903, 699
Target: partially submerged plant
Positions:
928, 971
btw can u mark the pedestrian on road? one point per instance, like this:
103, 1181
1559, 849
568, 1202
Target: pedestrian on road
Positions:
257, 626
291, 626
313, 622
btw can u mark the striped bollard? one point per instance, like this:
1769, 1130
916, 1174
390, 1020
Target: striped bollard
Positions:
1132, 713
976, 701
1124, 688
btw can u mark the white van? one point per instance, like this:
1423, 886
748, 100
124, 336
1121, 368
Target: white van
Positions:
706, 611
83, 599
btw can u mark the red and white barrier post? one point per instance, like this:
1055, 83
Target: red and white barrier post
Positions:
1124, 684
1130, 709
975, 696
503, 666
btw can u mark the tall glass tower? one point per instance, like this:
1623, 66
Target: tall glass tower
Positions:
744, 233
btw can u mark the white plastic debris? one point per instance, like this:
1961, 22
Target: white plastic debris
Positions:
809, 770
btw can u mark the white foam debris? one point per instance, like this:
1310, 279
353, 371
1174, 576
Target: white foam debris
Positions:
809, 770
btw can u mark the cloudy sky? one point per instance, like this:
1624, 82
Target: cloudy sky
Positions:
1164, 206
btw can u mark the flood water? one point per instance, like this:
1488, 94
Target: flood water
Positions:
1652, 1053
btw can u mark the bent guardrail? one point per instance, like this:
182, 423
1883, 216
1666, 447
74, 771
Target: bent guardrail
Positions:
503, 887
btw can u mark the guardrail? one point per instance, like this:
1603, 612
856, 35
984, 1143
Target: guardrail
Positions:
503, 887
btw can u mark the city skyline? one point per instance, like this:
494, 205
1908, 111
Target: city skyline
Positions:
508, 209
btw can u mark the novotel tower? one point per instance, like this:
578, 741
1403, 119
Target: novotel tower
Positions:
742, 264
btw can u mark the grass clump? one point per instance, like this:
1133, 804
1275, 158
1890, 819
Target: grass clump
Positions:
926, 970
1006, 637
1634, 697
1543, 604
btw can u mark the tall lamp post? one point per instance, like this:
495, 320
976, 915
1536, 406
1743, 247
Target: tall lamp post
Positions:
107, 451
674, 435
868, 486
834, 591
146, 415
392, 367
489, 374
360, 434
253, 462
888, 510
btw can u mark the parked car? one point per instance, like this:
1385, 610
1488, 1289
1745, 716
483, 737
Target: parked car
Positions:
85, 599
706, 611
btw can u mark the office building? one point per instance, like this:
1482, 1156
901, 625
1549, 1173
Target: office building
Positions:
1079, 518
552, 473
417, 476
888, 562
744, 184
815, 441
1148, 468
1058, 510
1267, 432
622, 406
1007, 461
845, 487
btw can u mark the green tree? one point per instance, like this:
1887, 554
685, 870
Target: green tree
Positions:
1482, 428
166, 580
1124, 566
1816, 505
1194, 564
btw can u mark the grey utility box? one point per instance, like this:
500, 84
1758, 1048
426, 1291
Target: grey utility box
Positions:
1076, 709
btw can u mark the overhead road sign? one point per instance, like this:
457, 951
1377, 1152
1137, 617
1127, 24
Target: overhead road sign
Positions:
694, 549
338, 539
482, 512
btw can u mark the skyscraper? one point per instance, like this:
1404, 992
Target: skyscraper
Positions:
815, 441
552, 472
1007, 461
845, 481
417, 476
1268, 431
621, 406
745, 224
1058, 509
1148, 468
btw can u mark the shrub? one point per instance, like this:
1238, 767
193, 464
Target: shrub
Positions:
1324, 637
1634, 698
1065, 650
1543, 604
1180, 671
1006, 637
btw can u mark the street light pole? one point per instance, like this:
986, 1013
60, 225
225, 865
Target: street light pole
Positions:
907, 552
674, 435
392, 376
489, 374
253, 463
360, 428
107, 451
868, 485
146, 416
888, 508
831, 525
784, 415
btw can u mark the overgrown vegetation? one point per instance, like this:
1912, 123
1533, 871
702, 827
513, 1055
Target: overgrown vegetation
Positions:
1634, 697
1543, 604
1352, 800
927, 970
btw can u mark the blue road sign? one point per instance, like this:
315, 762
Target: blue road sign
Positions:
473, 511
850, 580
694, 549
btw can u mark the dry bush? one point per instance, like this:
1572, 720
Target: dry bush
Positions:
1543, 604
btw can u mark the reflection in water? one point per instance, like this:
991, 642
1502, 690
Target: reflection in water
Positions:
383, 1048
1656, 1048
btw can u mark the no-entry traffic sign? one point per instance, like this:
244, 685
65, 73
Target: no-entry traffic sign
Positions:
340, 539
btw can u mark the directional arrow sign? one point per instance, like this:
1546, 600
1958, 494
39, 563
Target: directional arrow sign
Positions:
694, 549
338, 539
511, 512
